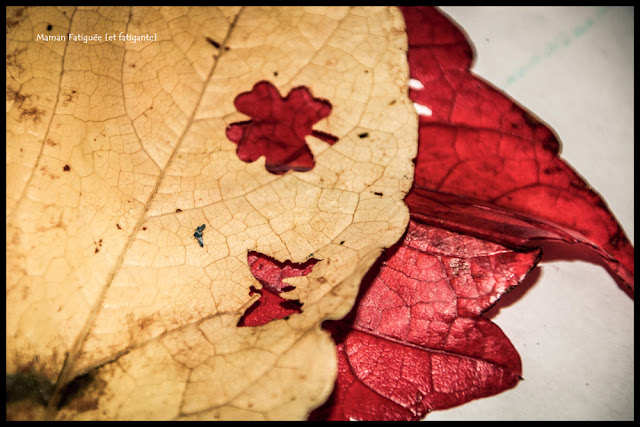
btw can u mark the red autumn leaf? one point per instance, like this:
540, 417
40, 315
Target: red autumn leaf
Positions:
278, 127
415, 341
485, 168
270, 273
487, 157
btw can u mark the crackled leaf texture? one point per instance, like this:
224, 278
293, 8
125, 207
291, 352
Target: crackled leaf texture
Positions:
117, 153
415, 341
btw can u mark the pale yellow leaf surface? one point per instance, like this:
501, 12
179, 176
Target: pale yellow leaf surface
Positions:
116, 151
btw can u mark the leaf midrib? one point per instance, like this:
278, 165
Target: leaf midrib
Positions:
66, 374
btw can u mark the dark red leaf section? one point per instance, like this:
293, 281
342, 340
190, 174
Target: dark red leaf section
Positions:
415, 340
278, 127
270, 273
481, 147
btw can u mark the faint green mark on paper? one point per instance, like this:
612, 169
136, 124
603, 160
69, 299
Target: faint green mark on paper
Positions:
561, 40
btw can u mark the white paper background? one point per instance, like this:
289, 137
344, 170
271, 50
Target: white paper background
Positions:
573, 327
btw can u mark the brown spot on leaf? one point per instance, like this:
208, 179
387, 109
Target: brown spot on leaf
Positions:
178, 210
33, 114
10, 24
118, 225
12, 59
15, 19
70, 96
145, 323
45, 172
16, 96
28, 385
82, 393
49, 27
66, 168
213, 42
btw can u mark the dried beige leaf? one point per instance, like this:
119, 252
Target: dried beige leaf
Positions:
116, 152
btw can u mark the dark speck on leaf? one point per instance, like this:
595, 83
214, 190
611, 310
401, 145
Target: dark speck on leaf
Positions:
342, 243
178, 210
144, 228
213, 43
363, 135
118, 225
275, 74
377, 193
198, 235
66, 168
49, 27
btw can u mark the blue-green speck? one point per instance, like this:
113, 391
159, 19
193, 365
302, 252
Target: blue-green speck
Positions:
198, 235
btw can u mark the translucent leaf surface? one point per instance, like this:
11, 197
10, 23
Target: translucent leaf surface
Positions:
117, 155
